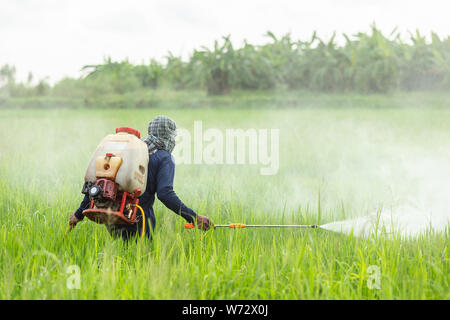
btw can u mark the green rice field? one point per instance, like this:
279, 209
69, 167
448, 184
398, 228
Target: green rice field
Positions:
338, 159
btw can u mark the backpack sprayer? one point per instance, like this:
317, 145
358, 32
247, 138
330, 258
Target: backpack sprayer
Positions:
115, 178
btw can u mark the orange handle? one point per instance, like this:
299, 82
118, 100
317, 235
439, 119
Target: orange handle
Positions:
237, 225
233, 225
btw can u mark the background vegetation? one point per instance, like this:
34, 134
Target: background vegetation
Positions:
360, 160
365, 63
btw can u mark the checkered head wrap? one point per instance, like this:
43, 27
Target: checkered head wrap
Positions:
161, 134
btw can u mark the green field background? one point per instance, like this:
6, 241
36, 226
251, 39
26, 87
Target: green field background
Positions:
340, 157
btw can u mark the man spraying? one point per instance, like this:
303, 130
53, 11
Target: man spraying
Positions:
160, 177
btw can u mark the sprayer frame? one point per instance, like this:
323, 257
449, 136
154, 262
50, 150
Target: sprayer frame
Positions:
107, 216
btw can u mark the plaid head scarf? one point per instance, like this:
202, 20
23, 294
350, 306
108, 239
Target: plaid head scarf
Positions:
161, 134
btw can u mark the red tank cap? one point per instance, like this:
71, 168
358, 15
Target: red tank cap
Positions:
129, 130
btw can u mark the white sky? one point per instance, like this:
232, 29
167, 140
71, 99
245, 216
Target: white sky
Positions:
55, 38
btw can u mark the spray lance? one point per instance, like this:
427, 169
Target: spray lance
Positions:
242, 226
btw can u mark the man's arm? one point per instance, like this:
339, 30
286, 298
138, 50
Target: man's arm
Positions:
166, 194
83, 206
77, 216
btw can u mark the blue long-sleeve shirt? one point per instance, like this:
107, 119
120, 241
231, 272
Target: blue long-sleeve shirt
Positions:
161, 172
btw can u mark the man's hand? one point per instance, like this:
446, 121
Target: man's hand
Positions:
204, 223
73, 221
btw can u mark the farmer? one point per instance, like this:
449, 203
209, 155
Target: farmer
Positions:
161, 170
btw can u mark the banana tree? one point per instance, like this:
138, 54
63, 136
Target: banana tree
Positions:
216, 66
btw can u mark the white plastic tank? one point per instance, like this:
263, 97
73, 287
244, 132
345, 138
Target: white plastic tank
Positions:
129, 170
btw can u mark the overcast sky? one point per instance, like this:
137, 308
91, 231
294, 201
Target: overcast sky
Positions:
55, 38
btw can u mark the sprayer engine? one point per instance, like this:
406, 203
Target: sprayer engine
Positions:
108, 205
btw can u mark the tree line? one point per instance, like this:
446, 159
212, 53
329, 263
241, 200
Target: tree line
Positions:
365, 63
